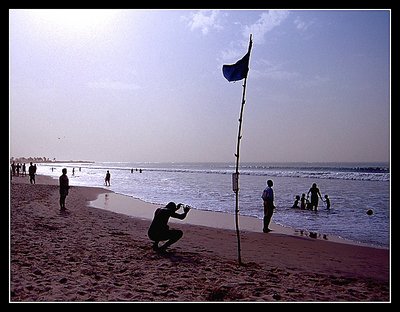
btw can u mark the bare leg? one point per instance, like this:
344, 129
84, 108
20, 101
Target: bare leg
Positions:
175, 235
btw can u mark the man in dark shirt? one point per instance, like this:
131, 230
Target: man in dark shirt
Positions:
315, 193
107, 178
32, 172
159, 229
268, 198
64, 187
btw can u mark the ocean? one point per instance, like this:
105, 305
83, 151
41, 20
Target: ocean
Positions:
353, 189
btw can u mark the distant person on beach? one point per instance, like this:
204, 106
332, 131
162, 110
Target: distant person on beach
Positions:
327, 202
24, 170
296, 202
107, 178
303, 201
64, 187
268, 198
13, 166
32, 172
314, 190
159, 229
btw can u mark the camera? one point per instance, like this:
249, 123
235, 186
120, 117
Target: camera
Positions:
186, 208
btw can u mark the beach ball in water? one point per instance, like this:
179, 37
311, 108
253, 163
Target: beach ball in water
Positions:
369, 212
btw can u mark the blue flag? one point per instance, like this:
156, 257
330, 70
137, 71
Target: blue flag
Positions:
237, 71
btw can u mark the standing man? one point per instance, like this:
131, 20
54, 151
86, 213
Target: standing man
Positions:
64, 187
23, 170
107, 178
268, 198
315, 193
32, 172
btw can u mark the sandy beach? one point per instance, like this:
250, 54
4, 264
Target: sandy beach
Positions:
89, 254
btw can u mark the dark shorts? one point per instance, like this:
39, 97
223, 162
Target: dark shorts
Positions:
165, 235
314, 201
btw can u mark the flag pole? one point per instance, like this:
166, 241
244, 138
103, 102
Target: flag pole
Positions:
236, 175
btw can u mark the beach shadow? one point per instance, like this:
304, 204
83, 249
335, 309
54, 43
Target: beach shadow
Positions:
46, 227
64, 212
176, 256
247, 265
118, 233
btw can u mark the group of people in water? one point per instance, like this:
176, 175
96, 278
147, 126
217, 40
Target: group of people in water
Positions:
306, 204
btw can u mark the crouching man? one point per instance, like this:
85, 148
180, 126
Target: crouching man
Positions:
159, 229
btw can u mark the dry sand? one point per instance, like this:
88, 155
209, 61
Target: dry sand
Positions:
91, 254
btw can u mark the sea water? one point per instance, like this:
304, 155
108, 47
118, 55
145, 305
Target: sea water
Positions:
353, 189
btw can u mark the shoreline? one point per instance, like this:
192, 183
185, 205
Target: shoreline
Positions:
92, 254
121, 203
335, 224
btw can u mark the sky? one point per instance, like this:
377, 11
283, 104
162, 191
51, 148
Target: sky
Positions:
136, 85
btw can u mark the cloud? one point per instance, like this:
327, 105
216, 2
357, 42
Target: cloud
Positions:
233, 54
204, 20
112, 85
277, 72
268, 70
301, 25
267, 21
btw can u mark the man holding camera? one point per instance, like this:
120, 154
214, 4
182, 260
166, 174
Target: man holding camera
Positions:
159, 229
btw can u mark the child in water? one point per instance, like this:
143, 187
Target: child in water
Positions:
296, 202
303, 201
328, 202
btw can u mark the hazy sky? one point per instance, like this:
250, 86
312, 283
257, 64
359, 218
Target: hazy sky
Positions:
147, 85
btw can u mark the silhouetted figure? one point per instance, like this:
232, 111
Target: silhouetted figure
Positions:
32, 173
64, 187
314, 190
327, 202
23, 170
13, 167
73, 171
107, 178
296, 202
303, 201
159, 229
268, 198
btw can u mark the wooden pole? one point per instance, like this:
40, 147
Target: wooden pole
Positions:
236, 176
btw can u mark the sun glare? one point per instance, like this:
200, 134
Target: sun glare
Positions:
83, 21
